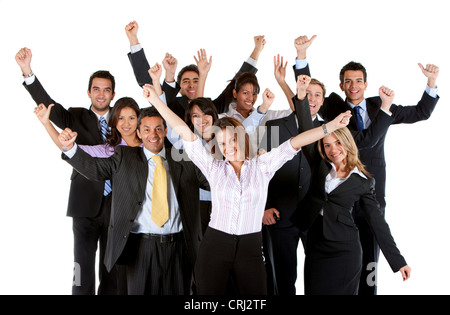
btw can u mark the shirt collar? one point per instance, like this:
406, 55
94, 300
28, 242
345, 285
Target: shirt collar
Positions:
233, 111
363, 105
123, 142
149, 154
106, 116
333, 172
319, 118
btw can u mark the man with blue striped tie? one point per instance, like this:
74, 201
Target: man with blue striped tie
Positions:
89, 202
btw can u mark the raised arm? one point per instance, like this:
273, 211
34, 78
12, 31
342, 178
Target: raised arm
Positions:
280, 76
43, 114
302, 43
138, 60
95, 169
203, 65
310, 136
223, 101
426, 105
59, 115
367, 138
169, 116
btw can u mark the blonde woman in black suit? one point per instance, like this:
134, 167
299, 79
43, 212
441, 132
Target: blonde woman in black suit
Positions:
333, 260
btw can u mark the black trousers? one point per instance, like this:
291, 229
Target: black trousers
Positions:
281, 251
89, 233
222, 255
160, 266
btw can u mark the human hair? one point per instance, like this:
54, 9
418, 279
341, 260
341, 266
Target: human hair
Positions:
345, 138
192, 67
239, 80
103, 74
319, 83
241, 136
114, 137
245, 78
150, 112
352, 66
205, 105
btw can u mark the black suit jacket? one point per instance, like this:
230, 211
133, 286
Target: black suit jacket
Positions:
85, 197
373, 157
291, 182
140, 66
128, 171
338, 223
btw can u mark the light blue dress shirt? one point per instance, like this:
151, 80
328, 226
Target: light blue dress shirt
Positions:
143, 222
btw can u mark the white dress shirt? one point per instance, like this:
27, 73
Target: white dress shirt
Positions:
238, 204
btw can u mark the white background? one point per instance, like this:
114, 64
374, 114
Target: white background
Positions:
71, 40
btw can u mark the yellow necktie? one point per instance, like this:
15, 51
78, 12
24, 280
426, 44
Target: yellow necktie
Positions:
160, 206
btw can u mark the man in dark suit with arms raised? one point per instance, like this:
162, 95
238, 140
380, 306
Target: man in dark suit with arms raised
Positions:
158, 258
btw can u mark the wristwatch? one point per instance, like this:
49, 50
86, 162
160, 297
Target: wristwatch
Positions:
325, 131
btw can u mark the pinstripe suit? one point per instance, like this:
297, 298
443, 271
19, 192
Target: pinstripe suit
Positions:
128, 171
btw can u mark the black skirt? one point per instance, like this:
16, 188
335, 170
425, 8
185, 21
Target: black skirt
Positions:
331, 268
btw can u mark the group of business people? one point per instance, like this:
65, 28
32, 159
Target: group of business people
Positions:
190, 221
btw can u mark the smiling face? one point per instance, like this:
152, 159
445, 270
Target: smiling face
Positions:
189, 84
201, 122
334, 150
127, 122
353, 85
316, 98
101, 94
227, 141
152, 133
245, 97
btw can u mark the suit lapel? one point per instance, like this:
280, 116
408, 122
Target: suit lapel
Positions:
372, 107
291, 124
175, 171
352, 183
142, 171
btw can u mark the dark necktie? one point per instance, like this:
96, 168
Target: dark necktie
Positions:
104, 129
359, 120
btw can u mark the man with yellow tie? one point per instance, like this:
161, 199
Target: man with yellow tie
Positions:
155, 228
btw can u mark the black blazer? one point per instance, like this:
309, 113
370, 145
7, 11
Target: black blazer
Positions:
85, 197
128, 171
293, 178
291, 182
140, 66
373, 157
338, 224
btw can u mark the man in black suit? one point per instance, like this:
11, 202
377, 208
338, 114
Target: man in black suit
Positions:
187, 82
353, 79
89, 202
158, 258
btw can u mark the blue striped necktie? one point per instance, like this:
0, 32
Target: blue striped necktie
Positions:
359, 120
104, 130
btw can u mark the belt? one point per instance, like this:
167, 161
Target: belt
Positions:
167, 238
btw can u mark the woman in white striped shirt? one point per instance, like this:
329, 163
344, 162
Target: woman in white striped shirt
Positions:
232, 243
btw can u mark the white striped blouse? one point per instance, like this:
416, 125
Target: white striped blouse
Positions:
238, 205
